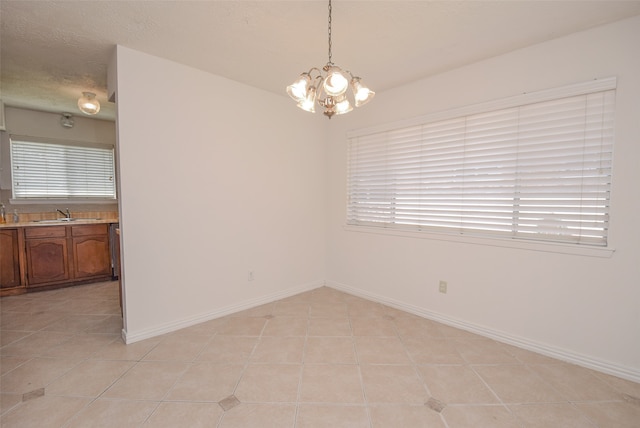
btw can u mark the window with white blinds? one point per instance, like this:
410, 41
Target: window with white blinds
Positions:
48, 170
528, 170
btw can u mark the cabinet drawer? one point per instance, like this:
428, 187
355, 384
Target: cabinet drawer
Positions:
45, 232
90, 229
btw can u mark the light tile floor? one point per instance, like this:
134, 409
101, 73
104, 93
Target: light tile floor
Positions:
318, 359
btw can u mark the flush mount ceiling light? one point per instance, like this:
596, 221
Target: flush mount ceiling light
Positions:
88, 104
329, 89
66, 120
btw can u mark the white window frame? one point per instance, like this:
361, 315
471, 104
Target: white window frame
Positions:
382, 134
70, 166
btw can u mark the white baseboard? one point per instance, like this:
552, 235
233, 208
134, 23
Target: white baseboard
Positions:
132, 337
520, 342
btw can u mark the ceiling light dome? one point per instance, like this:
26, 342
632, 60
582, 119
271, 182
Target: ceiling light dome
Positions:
88, 104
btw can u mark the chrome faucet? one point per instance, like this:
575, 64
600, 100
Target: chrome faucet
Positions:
66, 214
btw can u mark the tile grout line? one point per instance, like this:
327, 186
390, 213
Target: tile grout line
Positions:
100, 395
296, 412
367, 405
244, 368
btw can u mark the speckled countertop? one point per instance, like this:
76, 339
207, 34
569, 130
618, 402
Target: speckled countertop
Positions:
35, 223
49, 219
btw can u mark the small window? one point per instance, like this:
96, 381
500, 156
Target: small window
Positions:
61, 170
536, 168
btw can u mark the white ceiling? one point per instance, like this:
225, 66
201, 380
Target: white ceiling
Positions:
51, 51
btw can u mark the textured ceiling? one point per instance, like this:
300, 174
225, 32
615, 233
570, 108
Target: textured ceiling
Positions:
51, 51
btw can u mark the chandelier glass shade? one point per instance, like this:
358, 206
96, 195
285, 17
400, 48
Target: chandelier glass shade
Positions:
329, 88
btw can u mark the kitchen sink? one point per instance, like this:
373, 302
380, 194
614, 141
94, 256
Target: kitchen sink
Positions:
56, 220
65, 220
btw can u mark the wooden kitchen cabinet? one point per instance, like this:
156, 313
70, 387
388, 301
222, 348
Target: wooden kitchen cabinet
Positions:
47, 255
10, 251
39, 257
91, 251
63, 255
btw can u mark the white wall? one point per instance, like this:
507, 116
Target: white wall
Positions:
217, 178
261, 186
584, 309
33, 123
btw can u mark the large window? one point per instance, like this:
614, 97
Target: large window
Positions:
61, 170
533, 167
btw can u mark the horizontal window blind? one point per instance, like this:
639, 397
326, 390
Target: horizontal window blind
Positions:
58, 170
539, 171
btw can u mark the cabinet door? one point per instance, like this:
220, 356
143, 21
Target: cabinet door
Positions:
9, 259
91, 257
47, 260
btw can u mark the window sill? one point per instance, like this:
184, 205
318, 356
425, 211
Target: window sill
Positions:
547, 247
64, 201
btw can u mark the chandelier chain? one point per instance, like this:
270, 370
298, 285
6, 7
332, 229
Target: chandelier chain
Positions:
330, 32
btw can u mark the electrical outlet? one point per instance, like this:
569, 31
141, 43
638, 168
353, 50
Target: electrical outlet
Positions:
443, 287
250, 276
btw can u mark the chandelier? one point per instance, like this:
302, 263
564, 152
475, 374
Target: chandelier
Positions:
329, 89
